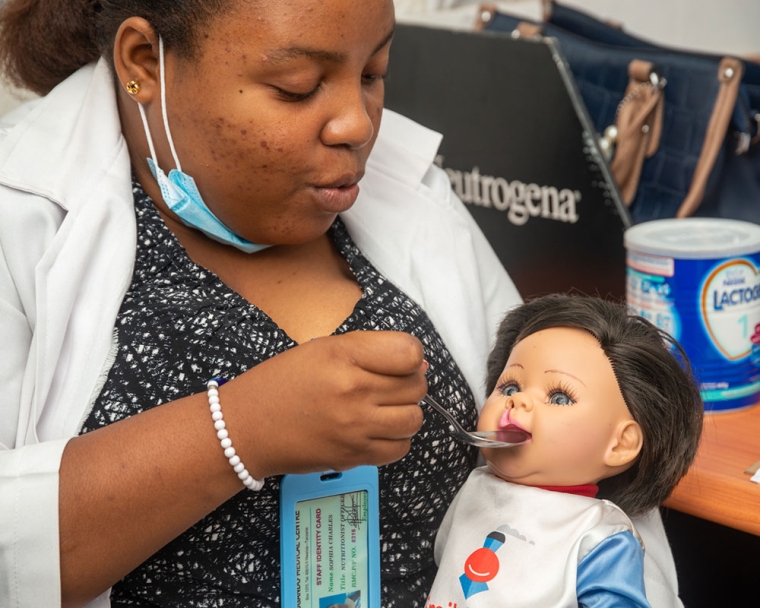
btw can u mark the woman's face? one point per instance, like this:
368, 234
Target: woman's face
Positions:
276, 115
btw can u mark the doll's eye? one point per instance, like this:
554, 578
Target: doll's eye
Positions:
510, 388
559, 397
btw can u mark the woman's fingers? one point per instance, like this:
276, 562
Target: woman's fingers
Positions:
387, 367
396, 421
332, 403
385, 451
390, 353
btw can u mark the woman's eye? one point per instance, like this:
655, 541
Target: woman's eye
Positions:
291, 96
560, 398
510, 389
372, 78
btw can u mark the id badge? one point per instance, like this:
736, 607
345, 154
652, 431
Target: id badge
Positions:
330, 539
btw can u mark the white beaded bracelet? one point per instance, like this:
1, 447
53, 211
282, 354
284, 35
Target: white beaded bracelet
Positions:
249, 482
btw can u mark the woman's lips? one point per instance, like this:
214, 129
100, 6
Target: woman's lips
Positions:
336, 199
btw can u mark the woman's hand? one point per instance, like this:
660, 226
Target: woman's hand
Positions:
130, 487
329, 404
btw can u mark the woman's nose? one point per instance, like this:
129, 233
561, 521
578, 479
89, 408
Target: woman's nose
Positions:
351, 125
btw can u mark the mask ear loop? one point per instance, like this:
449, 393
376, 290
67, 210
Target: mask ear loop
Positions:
148, 135
163, 102
163, 113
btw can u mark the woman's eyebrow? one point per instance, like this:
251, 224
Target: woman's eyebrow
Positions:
295, 52
385, 40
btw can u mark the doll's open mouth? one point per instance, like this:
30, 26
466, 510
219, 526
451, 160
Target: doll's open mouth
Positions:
507, 424
510, 431
513, 433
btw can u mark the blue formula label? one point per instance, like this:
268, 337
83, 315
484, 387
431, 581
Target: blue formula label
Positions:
712, 308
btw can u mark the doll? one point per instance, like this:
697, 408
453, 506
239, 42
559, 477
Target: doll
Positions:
615, 418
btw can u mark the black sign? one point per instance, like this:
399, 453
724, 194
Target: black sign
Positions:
520, 152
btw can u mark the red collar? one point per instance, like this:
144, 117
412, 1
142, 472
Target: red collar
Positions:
588, 489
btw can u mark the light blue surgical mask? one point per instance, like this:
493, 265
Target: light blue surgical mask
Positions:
179, 191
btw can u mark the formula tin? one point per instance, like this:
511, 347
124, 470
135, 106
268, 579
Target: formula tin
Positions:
698, 279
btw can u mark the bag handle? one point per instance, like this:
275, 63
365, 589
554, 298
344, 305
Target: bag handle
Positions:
524, 29
486, 12
649, 112
730, 73
638, 119
638, 122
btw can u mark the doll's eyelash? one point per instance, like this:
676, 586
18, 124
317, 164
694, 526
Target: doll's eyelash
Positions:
505, 382
554, 389
560, 387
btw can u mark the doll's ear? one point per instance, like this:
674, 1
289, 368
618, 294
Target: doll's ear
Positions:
625, 445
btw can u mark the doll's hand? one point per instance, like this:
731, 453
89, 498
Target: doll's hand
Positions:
330, 404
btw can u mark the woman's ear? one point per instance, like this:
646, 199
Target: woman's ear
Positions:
135, 57
625, 445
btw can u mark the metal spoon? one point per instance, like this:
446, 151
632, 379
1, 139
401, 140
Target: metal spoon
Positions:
482, 439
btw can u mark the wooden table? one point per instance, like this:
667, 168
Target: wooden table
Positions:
716, 487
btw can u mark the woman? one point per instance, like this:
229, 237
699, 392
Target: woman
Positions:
121, 296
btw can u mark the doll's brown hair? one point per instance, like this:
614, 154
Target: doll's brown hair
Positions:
654, 377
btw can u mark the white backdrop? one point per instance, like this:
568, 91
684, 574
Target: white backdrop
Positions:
721, 26
9, 98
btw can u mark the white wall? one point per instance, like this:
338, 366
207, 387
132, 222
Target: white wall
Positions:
720, 26
10, 98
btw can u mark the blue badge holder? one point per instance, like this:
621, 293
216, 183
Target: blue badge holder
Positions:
330, 539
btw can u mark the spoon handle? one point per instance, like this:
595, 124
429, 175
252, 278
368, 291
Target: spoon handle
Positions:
443, 411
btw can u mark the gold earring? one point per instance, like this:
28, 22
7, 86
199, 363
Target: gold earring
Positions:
133, 87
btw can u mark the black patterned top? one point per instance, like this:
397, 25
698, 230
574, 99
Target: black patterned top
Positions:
180, 325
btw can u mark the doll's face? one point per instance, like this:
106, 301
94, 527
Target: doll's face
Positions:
559, 385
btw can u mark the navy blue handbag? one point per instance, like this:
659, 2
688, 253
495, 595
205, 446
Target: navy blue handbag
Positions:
681, 128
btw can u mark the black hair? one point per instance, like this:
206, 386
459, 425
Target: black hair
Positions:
42, 42
654, 377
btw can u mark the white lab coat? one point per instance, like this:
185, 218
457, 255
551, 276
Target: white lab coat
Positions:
67, 246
